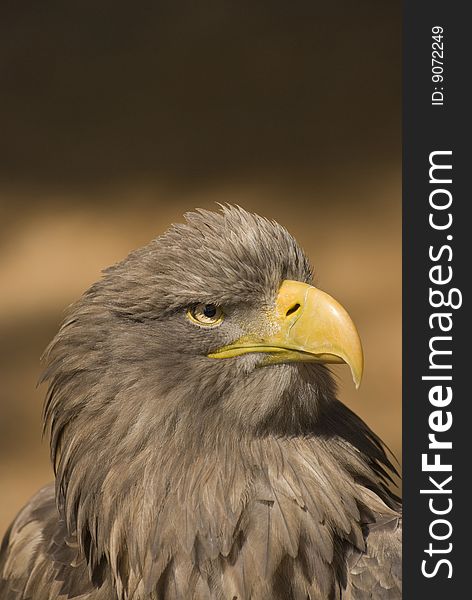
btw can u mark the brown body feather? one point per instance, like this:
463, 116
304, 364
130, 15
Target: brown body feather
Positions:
276, 518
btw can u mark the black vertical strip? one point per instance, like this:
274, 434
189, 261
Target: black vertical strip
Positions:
432, 128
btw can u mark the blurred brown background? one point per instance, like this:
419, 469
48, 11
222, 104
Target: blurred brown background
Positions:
115, 118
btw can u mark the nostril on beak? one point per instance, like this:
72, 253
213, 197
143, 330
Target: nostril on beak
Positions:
292, 309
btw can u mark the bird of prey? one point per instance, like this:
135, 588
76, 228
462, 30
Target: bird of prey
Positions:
199, 448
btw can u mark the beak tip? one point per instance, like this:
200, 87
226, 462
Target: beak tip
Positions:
357, 378
357, 371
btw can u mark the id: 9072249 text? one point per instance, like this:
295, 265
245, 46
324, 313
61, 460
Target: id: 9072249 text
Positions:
437, 65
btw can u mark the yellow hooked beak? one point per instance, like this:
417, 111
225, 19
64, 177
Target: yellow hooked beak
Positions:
306, 325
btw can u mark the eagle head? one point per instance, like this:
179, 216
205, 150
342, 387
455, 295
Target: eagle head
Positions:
168, 372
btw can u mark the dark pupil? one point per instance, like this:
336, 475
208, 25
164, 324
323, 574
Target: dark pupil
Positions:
209, 311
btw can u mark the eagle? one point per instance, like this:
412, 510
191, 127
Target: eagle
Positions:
199, 447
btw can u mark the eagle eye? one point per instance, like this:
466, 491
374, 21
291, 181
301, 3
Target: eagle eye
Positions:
205, 314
